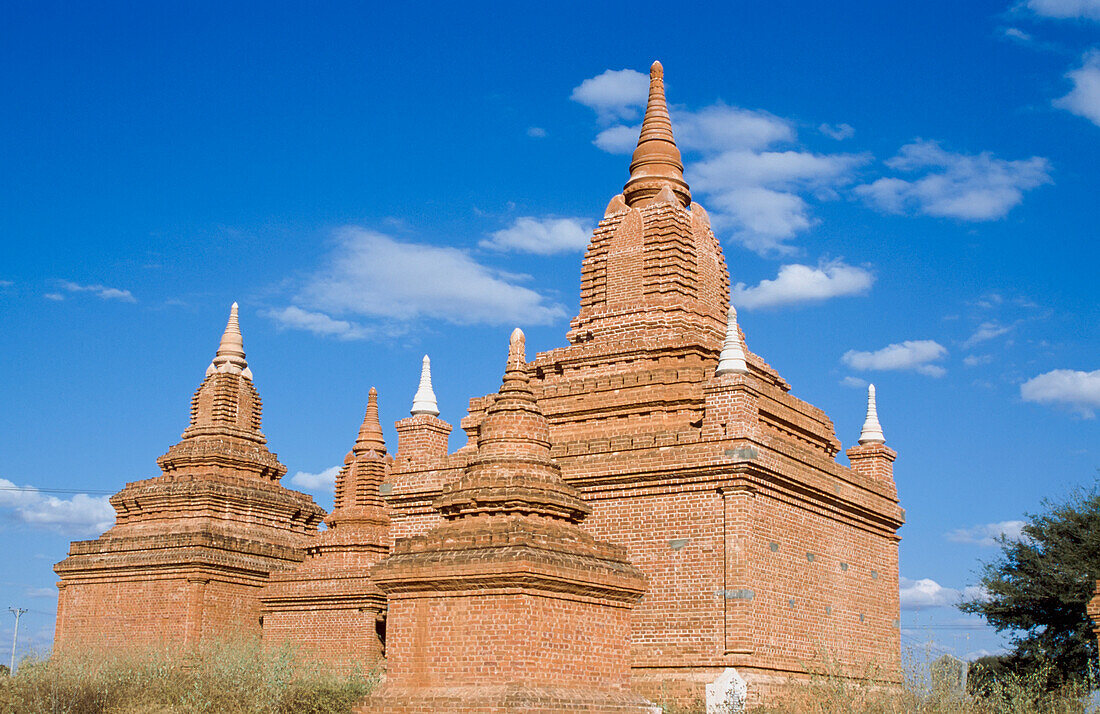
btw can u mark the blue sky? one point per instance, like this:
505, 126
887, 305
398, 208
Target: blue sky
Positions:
906, 193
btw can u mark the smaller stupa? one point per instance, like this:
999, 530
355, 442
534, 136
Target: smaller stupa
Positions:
509, 605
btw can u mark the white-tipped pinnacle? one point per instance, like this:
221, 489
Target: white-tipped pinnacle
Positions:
872, 430
424, 399
230, 355
732, 359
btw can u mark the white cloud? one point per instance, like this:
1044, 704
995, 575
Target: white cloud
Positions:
985, 332
318, 323
101, 291
803, 283
324, 481
541, 236
1079, 391
988, 533
915, 355
759, 194
837, 131
41, 593
754, 187
6, 283
1084, 99
720, 127
80, 514
1066, 9
369, 274
968, 187
56, 297
615, 94
927, 593
618, 139
536, 132
854, 382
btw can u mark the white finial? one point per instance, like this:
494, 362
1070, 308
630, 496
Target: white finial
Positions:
230, 355
872, 430
424, 399
732, 359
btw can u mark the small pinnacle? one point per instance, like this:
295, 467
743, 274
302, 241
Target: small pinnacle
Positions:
517, 348
732, 359
370, 433
656, 162
872, 430
424, 400
230, 355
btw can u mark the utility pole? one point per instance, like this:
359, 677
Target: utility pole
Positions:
17, 611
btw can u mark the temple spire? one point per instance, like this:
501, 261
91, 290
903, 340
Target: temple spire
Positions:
656, 163
370, 434
424, 400
230, 355
872, 430
732, 358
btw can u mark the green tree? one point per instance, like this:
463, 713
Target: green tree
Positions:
1038, 589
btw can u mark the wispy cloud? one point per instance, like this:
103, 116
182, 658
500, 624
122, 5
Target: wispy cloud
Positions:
912, 355
79, 514
977, 187
536, 132
56, 297
1065, 9
853, 382
1076, 390
6, 283
1084, 99
803, 283
926, 593
988, 534
325, 481
317, 322
985, 332
837, 131
101, 291
976, 360
541, 236
374, 276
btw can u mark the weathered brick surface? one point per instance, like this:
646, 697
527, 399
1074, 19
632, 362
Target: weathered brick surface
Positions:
328, 608
508, 604
191, 549
762, 552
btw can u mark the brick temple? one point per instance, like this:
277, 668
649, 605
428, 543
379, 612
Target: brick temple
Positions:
702, 538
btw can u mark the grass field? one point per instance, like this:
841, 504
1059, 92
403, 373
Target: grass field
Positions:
246, 679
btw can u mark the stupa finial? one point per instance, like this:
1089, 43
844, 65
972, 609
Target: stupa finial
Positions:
370, 433
872, 430
732, 359
230, 355
424, 400
656, 162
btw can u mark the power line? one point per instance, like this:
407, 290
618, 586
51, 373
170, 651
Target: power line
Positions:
35, 489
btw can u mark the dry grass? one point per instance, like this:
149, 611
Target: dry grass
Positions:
827, 692
226, 679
